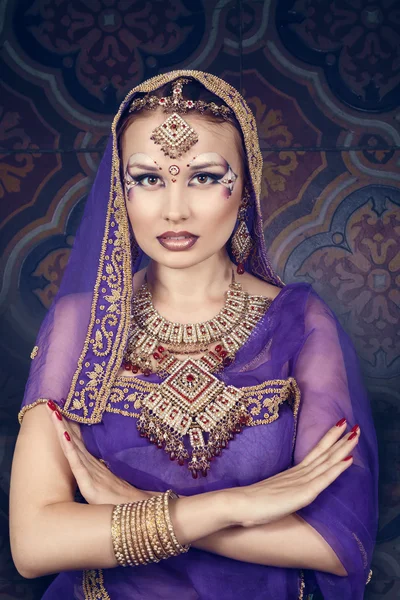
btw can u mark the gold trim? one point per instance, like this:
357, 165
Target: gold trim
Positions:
302, 585
362, 549
28, 406
34, 352
369, 577
93, 585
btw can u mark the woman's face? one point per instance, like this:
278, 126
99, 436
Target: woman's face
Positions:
199, 193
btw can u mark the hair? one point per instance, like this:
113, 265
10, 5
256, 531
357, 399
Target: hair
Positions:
193, 90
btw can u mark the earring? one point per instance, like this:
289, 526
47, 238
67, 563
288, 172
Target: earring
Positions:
242, 242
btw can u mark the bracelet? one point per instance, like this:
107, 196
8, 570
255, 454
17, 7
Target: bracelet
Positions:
140, 525
179, 548
152, 530
145, 518
162, 528
135, 544
116, 534
142, 532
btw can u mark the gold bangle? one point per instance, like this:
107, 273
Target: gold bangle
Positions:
152, 531
123, 534
116, 534
140, 533
127, 533
162, 528
179, 548
136, 551
131, 554
145, 525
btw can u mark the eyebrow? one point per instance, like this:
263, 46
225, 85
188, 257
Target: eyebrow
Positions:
208, 164
152, 168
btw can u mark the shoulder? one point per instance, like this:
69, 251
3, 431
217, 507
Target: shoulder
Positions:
257, 287
297, 293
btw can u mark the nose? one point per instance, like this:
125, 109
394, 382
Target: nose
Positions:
175, 206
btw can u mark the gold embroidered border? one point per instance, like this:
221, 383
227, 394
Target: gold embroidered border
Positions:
93, 585
301, 585
362, 549
28, 406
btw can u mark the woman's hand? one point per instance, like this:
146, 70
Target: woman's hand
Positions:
285, 493
97, 484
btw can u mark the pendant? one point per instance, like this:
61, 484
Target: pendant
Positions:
192, 401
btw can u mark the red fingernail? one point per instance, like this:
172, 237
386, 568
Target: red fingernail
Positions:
348, 457
339, 423
66, 434
354, 428
58, 415
353, 435
51, 405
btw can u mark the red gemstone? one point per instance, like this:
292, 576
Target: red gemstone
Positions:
127, 366
156, 355
204, 472
181, 461
160, 349
223, 353
173, 126
218, 348
240, 268
172, 456
146, 372
194, 474
190, 378
135, 369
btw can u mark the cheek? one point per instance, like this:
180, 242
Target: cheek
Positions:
138, 207
223, 203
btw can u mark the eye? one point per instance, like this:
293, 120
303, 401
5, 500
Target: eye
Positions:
205, 178
146, 180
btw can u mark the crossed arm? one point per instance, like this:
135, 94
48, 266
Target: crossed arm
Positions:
83, 537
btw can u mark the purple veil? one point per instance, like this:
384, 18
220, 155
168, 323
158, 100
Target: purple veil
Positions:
81, 343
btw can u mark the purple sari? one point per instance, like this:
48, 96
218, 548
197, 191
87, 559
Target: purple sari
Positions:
298, 368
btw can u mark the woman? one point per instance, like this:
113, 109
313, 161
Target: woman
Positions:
278, 511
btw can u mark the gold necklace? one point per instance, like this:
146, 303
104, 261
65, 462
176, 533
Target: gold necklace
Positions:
191, 335
191, 400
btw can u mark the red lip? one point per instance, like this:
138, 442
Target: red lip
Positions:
176, 233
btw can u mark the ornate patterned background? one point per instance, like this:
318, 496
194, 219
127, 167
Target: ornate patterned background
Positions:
324, 81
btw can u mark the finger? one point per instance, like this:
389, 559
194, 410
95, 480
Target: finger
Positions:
341, 452
326, 442
88, 460
341, 443
67, 444
325, 478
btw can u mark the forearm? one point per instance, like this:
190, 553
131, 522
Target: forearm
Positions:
72, 536
290, 542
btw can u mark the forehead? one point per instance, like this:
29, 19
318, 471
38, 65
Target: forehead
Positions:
221, 138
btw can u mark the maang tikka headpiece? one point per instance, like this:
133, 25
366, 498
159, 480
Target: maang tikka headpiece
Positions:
175, 135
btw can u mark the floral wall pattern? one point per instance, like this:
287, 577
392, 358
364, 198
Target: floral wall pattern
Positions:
323, 79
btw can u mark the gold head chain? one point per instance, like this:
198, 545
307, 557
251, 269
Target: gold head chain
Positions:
175, 135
